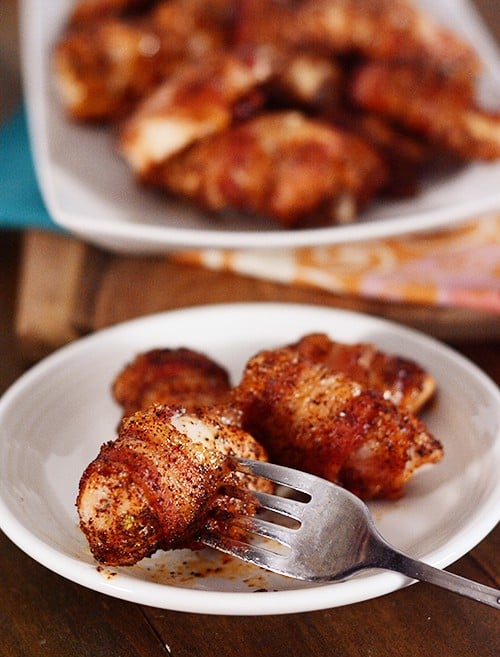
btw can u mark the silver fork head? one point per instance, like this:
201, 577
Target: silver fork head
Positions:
334, 536
313, 537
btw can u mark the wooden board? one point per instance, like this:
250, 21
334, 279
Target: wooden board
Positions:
68, 289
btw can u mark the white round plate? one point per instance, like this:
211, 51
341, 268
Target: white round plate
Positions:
55, 417
90, 192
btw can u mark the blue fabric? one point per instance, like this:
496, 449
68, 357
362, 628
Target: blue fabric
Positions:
21, 204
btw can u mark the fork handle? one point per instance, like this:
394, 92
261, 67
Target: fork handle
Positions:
419, 570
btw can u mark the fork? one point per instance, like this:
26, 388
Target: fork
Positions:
328, 535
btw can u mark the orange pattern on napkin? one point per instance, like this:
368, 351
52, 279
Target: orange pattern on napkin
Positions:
454, 267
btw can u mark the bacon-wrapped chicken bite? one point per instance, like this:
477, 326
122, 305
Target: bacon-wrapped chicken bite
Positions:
392, 30
197, 101
101, 71
430, 105
313, 419
154, 487
399, 379
103, 68
283, 165
171, 376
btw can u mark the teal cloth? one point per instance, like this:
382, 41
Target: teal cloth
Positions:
21, 204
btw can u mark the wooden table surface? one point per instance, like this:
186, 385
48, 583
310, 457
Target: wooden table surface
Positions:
43, 614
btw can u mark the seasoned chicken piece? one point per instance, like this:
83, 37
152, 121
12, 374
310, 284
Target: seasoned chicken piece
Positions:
103, 70
429, 104
401, 380
170, 376
317, 84
104, 67
197, 101
323, 422
380, 29
154, 487
196, 28
297, 170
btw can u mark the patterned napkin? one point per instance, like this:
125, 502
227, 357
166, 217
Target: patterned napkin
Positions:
456, 267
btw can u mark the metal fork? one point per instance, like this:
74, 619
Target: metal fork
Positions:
334, 536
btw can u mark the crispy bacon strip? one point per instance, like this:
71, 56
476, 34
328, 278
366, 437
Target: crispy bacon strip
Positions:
313, 419
399, 379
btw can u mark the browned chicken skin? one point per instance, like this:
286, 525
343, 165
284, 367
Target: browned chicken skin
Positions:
313, 419
153, 487
171, 376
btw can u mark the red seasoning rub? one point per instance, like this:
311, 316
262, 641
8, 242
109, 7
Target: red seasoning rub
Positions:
313, 419
154, 487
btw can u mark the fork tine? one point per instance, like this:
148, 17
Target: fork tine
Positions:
282, 505
255, 554
277, 473
264, 528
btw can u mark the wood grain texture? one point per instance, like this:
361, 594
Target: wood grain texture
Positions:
43, 614
420, 621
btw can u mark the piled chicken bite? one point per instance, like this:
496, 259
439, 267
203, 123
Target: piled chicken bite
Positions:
208, 97
343, 412
171, 376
